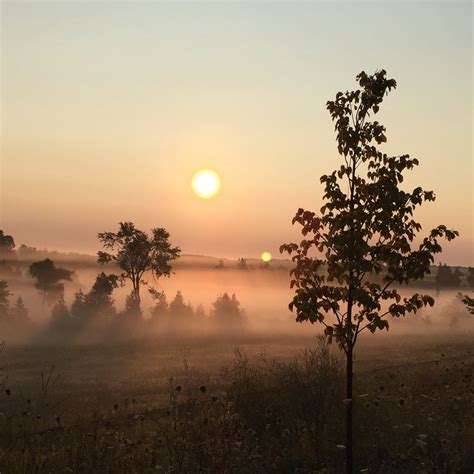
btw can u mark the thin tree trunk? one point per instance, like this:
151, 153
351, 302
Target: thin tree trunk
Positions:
137, 294
349, 444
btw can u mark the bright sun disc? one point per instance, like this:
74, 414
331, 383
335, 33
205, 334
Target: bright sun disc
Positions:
206, 183
266, 256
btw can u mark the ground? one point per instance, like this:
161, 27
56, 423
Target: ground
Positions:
244, 404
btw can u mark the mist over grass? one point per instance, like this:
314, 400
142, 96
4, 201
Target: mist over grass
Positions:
263, 294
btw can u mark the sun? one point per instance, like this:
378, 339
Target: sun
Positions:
206, 183
266, 256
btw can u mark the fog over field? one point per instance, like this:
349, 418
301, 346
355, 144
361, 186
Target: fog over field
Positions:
264, 295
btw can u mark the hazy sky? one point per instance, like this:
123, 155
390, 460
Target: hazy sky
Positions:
109, 108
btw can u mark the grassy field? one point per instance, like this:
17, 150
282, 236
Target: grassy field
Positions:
248, 404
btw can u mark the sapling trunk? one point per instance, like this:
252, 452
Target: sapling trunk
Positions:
349, 442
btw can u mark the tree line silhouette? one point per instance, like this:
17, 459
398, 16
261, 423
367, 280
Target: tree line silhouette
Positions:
135, 254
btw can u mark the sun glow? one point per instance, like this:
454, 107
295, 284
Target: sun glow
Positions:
266, 256
206, 183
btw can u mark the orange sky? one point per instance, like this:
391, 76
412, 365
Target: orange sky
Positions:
109, 109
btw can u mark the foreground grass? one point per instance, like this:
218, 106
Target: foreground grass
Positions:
174, 408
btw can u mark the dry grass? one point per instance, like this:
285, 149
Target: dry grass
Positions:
172, 407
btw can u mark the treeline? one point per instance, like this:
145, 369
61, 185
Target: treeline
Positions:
93, 315
135, 253
448, 277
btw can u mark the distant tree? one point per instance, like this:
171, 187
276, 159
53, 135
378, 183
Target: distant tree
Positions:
49, 279
366, 227
135, 253
200, 313
27, 253
242, 263
161, 307
457, 277
227, 313
220, 264
20, 313
61, 319
445, 277
98, 303
4, 300
470, 277
7, 244
179, 310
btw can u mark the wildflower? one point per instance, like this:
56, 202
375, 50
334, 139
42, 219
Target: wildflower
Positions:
340, 446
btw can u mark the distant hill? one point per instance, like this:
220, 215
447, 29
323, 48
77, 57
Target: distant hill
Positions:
26, 255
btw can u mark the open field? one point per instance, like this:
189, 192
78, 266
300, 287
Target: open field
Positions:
243, 404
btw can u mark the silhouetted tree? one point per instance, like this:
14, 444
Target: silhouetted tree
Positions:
179, 310
49, 279
20, 313
200, 313
227, 313
220, 264
98, 303
366, 227
135, 253
61, 319
4, 300
242, 263
7, 244
161, 307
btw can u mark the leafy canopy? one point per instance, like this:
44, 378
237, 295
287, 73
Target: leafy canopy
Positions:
135, 253
49, 277
365, 228
7, 244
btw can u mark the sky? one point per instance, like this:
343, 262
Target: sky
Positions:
108, 109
